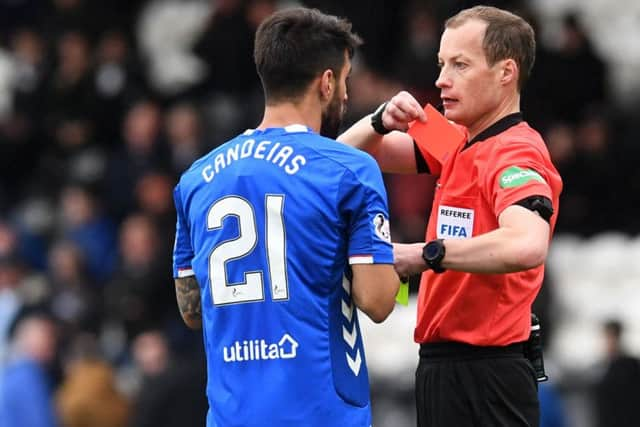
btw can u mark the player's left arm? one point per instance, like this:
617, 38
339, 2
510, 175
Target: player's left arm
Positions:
187, 288
188, 295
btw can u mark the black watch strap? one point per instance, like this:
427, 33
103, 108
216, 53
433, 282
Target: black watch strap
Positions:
433, 254
376, 120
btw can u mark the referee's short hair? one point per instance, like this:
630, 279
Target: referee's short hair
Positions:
293, 46
507, 36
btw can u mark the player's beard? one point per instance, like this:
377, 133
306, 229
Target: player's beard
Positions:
332, 117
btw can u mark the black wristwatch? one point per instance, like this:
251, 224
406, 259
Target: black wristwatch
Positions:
433, 254
376, 120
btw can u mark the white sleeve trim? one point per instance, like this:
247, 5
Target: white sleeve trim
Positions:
361, 259
185, 272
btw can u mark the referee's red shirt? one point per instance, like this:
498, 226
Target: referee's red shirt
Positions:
506, 163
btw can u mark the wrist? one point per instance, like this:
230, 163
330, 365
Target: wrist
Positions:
376, 120
433, 254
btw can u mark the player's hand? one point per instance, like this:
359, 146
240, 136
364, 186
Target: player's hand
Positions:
401, 110
408, 259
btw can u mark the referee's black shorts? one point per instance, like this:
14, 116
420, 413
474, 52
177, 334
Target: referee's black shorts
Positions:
460, 385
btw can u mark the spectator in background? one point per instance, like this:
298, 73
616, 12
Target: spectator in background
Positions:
184, 136
19, 285
171, 393
564, 99
140, 294
617, 392
117, 79
560, 139
18, 240
70, 151
231, 89
141, 151
596, 153
154, 198
70, 91
26, 396
577, 58
71, 156
88, 397
230, 71
21, 132
259, 10
584, 154
76, 298
415, 66
32, 68
11, 277
84, 223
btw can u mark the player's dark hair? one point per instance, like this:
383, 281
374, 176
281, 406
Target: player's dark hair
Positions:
508, 36
294, 46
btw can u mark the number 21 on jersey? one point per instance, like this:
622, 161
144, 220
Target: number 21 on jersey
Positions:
252, 289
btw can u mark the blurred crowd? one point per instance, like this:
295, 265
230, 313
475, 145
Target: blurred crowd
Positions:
104, 104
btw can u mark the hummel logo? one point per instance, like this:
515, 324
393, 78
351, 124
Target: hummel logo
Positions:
347, 310
350, 337
355, 364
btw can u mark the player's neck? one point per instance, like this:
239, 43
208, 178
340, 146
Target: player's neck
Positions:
289, 113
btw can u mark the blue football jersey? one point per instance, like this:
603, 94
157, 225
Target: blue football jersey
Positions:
269, 223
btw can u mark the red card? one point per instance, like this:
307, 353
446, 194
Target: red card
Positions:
437, 135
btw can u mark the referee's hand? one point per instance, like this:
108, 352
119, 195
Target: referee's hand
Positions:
401, 110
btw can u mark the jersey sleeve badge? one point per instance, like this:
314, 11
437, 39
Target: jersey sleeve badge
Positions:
516, 176
381, 227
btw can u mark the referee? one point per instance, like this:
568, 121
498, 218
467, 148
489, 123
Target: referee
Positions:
493, 214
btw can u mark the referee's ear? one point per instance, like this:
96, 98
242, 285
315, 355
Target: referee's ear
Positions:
509, 72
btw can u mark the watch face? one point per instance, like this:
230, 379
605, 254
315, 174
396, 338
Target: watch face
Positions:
432, 250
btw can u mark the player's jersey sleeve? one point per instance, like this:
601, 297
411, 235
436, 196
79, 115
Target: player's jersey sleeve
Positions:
517, 170
182, 249
363, 200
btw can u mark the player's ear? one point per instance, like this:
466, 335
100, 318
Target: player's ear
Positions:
509, 71
327, 84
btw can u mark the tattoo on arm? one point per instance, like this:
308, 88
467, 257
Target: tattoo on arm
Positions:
188, 295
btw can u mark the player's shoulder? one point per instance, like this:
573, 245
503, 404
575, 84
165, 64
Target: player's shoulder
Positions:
195, 170
349, 157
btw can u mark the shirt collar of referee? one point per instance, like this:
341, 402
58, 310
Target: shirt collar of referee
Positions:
498, 127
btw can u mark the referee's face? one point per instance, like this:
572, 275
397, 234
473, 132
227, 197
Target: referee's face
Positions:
469, 88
